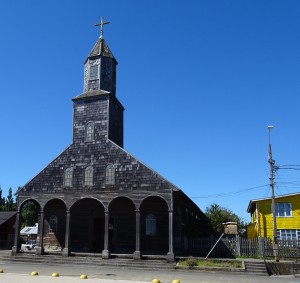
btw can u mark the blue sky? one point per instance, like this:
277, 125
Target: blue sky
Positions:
200, 82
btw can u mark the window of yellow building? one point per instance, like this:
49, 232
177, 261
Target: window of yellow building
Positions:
283, 209
288, 234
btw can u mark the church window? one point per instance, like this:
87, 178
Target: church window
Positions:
68, 178
94, 72
53, 224
88, 176
110, 174
89, 131
150, 225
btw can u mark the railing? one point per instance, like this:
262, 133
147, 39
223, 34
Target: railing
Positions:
238, 246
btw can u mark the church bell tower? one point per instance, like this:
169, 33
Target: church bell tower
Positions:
97, 113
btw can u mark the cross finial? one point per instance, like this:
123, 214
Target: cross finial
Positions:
101, 24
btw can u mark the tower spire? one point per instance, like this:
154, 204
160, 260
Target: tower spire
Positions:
100, 66
101, 24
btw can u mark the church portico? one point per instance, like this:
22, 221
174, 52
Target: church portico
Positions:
79, 226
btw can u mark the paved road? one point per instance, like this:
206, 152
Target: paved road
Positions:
19, 272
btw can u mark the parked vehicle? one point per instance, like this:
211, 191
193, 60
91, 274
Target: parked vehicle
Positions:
29, 245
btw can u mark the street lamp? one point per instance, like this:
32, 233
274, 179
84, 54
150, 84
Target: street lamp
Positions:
272, 162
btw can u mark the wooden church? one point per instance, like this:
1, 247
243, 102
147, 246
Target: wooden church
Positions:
95, 197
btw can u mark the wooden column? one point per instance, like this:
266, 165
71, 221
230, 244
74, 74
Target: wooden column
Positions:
40, 248
137, 253
16, 248
66, 251
105, 252
170, 255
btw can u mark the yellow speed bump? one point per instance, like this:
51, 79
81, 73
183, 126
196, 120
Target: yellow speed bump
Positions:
83, 276
155, 280
34, 273
175, 281
55, 274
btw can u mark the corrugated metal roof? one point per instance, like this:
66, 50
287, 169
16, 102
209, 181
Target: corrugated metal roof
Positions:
29, 230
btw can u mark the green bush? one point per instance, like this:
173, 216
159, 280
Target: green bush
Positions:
191, 261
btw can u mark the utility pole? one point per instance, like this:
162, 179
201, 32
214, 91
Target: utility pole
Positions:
272, 162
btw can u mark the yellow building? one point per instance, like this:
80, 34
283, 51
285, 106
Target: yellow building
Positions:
287, 217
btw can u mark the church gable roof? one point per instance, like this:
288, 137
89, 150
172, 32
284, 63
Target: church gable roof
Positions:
131, 174
144, 177
43, 178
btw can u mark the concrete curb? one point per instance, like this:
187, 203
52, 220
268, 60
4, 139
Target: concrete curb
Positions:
27, 278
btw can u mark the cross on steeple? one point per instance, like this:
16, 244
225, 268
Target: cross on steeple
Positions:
101, 24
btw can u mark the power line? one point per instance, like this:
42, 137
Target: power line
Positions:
289, 183
296, 165
280, 193
231, 193
287, 167
290, 168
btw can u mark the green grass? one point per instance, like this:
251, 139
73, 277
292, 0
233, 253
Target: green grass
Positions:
189, 262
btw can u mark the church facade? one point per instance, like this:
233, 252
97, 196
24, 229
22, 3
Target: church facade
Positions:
95, 197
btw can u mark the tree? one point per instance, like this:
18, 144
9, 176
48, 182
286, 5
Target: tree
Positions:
29, 214
2, 201
10, 204
218, 215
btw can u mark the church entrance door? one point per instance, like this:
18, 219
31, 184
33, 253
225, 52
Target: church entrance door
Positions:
122, 225
87, 226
